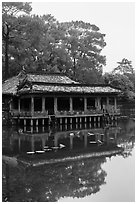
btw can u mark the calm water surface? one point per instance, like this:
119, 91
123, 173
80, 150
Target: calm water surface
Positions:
82, 163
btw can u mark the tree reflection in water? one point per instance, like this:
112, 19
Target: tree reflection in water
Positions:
51, 182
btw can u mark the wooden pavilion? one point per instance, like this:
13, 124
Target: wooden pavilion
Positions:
39, 98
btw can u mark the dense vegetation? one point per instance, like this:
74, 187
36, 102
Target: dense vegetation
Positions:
41, 43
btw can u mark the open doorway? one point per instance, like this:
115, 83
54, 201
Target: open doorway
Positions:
49, 105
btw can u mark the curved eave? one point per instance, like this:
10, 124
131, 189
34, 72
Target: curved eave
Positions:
62, 92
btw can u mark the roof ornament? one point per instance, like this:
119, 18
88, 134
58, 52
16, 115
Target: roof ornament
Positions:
22, 73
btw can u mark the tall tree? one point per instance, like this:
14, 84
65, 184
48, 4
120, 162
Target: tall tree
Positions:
83, 43
42, 43
10, 24
124, 67
123, 77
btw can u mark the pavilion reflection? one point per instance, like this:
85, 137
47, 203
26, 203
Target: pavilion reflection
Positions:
72, 139
51, 182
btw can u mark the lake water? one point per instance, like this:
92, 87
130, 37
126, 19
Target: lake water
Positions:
93, 163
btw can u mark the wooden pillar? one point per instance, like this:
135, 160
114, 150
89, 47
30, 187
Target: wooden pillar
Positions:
71, 142
55, 105
55, 140
37, 129
24, 122
43, 143
60, 120
65, 120
32, 105
71, 104
31, 129
43, 104
85, 104
37, 122
108, 103
19, 142
115, 104
24, 129
65, 126
99, 119
85, 140
43, 121
80, 119
97, 103
71, 127
43, 129
94, 119
31, 122
10, 105
19, 105
32, 144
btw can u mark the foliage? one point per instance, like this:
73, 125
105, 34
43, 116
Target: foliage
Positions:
123, 77
42, 43
11, 14
83, 43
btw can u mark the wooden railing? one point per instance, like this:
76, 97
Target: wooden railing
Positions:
16, 113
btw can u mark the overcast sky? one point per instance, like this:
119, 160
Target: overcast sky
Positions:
115, 19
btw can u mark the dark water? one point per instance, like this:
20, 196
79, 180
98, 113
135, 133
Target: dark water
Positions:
79, 163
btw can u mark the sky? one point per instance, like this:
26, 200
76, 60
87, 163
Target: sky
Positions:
115, 19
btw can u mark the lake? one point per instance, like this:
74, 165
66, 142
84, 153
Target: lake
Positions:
78, 163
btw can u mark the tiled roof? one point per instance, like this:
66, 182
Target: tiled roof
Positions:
10, 85
68, 89
38, 83
50, 78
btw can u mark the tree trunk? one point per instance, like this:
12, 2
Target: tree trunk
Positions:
5, 33
74, 68
6, 57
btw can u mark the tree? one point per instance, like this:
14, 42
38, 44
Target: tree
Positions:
123, 77
83, 43
41, 43
124, 67
10, 24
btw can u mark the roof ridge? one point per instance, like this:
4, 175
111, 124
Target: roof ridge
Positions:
45, 73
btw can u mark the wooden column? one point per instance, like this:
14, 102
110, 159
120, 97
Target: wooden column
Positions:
115, 103
10, 105
19, 142
71, 142
24, 122
32, 105
37, 122
85, 141
32, 144
71, 104
85, 104
19, 105
108, 103
31, 122
55, 140
43, 121
43, 104
97, 102
55, 105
